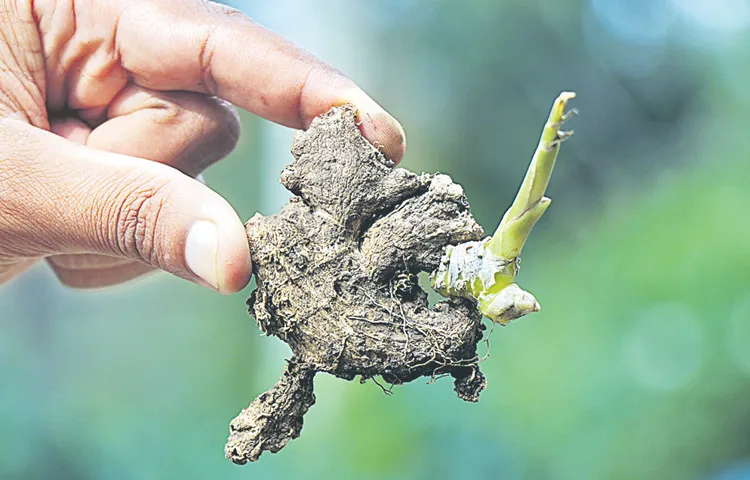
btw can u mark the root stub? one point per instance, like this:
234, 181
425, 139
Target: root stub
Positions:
336, 279
273, 419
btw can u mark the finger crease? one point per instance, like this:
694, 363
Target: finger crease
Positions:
205, 57
300, 95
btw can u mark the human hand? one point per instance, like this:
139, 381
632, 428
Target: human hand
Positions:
110, 108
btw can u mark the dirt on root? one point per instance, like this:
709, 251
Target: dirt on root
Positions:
336, 272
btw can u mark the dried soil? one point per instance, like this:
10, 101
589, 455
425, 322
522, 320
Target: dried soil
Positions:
336, 272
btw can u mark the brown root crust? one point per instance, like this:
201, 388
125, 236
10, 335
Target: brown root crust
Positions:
260, 427
336, 279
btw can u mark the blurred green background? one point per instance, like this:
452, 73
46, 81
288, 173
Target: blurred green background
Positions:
638, 365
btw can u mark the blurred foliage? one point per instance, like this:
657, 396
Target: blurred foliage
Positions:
637, 366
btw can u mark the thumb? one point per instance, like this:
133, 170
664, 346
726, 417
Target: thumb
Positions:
57, 197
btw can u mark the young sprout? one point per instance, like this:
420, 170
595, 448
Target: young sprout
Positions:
485, 271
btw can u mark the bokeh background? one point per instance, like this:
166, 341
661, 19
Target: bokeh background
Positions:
638, 365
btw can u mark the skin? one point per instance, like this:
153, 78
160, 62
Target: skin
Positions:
109, 109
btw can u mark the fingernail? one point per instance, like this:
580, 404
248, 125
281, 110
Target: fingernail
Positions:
200, 252
388, 133
379, 127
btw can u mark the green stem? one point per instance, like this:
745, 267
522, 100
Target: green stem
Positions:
486, 271
530, 202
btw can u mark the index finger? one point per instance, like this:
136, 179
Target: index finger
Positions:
202, 46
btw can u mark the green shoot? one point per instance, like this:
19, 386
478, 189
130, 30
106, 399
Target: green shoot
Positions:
486, 271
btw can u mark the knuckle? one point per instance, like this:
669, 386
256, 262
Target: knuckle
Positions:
213, 126
218, 15
168, 113
205, 60
135, 217
220, 125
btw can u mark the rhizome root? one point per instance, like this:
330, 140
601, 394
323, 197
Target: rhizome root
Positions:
336, 272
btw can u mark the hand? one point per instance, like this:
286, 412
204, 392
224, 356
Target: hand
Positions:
110, 108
